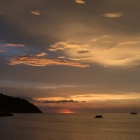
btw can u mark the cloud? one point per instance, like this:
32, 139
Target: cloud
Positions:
61, 46
41, 54
83, 52
106, 50
103, 97
36, 12
1, 51
5, 46
61, 57
99, 38
34, 61
61, 101
11, 45
129, 43
112, 15
80, 1
15, 45
88, 58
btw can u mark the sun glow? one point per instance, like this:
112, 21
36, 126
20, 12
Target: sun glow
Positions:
65, 111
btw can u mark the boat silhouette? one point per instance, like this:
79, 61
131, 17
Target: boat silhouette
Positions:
134, 111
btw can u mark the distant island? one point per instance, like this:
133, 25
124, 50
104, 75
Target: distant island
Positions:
9, 105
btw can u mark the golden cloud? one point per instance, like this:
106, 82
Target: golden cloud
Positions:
36, 12
112, 15
80, 1
106, 97
61, 46
33, 61
104, 50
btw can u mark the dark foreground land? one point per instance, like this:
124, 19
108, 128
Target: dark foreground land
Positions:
9, 105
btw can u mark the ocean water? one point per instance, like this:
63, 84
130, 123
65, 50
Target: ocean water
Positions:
70, 127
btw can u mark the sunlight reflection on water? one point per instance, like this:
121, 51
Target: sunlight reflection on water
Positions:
70, 127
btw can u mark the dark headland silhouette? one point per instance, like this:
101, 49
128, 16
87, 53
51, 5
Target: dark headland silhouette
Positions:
9, 105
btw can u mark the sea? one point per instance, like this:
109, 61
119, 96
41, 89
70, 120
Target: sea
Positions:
70, 127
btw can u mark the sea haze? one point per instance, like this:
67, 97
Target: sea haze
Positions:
70, 127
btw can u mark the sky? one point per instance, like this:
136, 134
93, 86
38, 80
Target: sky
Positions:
71, 56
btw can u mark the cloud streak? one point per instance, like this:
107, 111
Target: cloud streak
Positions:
99, 38
11, 45
112, 15
5, 46
34, 61
60, 101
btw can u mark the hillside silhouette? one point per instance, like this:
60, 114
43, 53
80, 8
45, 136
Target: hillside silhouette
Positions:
16, 105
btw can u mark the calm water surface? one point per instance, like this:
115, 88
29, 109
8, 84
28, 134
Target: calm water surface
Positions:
70, 127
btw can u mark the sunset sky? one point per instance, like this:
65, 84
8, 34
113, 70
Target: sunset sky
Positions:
71, 56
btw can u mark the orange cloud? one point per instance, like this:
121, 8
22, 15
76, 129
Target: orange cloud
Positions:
1, 51
10, 45
80, 1
41, 54
33, 61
